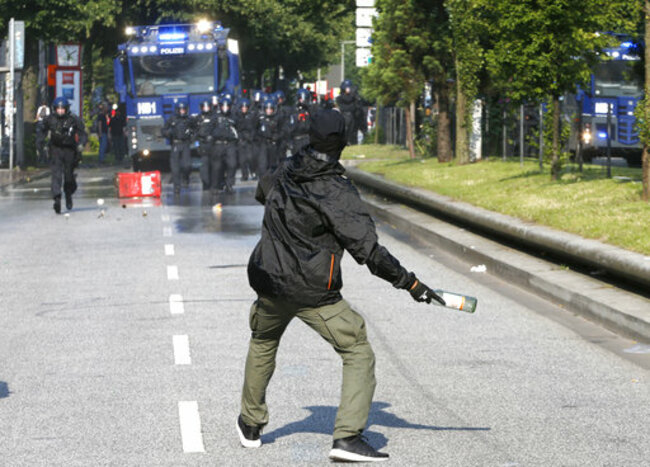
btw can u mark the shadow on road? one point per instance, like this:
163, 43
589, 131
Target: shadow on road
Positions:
321, 420
4, 390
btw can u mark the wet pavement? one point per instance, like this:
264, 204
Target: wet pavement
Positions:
124, 331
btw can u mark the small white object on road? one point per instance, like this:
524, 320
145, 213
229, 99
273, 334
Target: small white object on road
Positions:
479, 268
100, 201
176, 306
188, 413
172, 273
182, 350
66, 215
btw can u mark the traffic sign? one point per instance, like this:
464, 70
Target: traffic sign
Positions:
364, 17
366, 3
364, 57
364, 37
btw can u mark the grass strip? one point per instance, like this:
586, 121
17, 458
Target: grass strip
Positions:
585, 203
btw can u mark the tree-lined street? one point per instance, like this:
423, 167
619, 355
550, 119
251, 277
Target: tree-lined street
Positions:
89, 372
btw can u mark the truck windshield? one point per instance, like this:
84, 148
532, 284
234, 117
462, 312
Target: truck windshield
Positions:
616, 78
157, 75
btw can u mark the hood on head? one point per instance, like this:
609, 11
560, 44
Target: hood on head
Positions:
327, 132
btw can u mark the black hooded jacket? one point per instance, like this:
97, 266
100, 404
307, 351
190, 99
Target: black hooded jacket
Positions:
312, 214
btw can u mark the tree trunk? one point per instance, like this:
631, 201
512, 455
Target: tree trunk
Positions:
646, 102
445, 153
555, 160
30, 101
409, 129
462, 142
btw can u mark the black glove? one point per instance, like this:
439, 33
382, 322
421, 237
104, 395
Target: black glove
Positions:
421, 293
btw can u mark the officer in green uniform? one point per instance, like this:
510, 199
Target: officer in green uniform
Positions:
312, 213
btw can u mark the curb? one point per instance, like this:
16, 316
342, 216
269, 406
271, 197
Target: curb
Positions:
25, 179
613, 308
615, 260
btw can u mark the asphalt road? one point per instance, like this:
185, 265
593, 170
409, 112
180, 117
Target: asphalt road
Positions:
123, 335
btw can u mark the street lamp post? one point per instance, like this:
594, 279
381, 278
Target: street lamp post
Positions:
343, 57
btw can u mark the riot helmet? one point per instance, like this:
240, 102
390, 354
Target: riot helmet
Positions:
244, 104
206, 106
61, 106
269, 106
279, 96
225, 105
346, 86
303, 96
181, 108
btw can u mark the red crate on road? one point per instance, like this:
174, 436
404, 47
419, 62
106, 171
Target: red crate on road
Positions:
138, 185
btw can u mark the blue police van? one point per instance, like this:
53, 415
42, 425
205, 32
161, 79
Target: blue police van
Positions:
162, 65
614, 93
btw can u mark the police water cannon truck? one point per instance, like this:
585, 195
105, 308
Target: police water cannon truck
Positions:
614, 92
162, 65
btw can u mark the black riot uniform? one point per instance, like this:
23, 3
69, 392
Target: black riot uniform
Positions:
224, 153
67, 139
284, 121
349, 104
270, 133
203, 127
245, 122
300, 119
179, 130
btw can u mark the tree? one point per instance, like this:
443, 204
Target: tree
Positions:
466, 27
401, 53
544, 48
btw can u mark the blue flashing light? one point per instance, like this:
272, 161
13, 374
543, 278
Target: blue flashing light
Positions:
172, 36
602, 134
626, 45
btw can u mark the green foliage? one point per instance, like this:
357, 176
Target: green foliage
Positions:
402, 52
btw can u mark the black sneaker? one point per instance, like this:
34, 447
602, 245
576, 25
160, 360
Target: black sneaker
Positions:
355, 449
249, 436
68, 201
57, 204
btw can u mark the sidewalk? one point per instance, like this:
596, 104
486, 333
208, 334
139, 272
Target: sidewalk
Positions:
608, 305
9, 178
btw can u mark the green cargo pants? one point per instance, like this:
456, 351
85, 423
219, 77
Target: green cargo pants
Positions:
339, 325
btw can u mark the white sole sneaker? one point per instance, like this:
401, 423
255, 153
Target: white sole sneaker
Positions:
341, 455
247, 443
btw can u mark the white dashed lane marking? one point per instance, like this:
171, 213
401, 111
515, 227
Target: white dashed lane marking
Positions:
167, 231
176, 306
165, 217
188, 413
169, 250
172, 273
182, 350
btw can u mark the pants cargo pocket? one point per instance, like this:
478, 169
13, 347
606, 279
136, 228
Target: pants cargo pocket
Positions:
345, 325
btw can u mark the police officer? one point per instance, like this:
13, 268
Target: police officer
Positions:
284, 121
349, 105
270, 134
179, 130
246, 128
300, 119
67, 139
204, 125
312, 214
224, 153
41, 147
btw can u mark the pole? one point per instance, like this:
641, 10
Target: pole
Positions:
505, 136
541, 136
609, 140
521, 135
10, 93
579, 147
342, 60
318, 86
